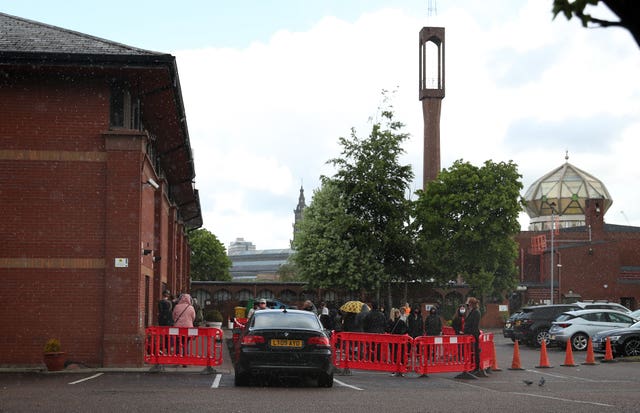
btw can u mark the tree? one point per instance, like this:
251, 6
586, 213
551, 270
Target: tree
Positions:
465, 222
355, 232
209, 260
325, 252
287, 272
628, 11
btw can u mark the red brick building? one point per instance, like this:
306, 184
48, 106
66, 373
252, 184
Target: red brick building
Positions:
97, 190
583, 257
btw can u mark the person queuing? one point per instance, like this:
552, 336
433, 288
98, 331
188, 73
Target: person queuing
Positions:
415, 323
457, 323
397, 325
433, 323
472, 327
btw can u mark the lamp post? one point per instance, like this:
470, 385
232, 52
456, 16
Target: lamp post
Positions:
559, 279
553, 222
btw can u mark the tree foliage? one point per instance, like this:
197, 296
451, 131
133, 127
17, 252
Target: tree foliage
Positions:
355, 232
628, 11
209, 260
465, 223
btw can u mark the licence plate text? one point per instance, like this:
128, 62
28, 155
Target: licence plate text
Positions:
276, 342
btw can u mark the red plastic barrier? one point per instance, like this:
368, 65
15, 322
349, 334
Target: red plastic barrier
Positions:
487, 350
448, 331
441, 354
368, 351
182, 345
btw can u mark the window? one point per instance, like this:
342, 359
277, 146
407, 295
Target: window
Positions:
124, 110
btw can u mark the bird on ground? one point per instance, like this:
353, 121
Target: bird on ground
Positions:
527, 382
541, 382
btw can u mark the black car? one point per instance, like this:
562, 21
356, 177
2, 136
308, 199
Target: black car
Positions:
507, 330
532, 326
624, 341
284, 344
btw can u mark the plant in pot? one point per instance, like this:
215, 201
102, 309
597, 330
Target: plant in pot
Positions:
54, 357
213, 318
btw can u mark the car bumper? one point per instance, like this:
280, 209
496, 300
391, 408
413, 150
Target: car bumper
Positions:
558, 337
284, 363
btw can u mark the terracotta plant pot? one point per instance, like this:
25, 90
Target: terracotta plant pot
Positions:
55, 361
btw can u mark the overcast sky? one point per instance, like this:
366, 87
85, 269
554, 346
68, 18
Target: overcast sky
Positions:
270, 86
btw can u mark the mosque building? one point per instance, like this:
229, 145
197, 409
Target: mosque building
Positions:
569, 252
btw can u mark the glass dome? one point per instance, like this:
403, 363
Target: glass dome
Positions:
566, 188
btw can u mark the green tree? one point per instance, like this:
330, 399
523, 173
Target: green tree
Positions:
465, 221
355, 233
628, 11
287, 272
209, 260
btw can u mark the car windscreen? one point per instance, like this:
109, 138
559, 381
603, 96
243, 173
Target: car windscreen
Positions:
286, 321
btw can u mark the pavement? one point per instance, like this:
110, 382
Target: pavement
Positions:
225, 367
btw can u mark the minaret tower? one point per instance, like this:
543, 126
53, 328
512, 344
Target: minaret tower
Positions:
431, 95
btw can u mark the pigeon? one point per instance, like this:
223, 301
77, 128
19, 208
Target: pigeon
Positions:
541, 382
527, 382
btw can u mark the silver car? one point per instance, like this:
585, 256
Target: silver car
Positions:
579, 325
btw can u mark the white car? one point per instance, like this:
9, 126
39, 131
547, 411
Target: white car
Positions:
579, 325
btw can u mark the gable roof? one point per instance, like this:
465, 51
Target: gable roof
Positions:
29, 45
18, 35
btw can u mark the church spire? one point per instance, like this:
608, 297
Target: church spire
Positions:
298, 213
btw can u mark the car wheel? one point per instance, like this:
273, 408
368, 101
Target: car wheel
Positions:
325, 380
241, 380
579, 341
542, 334
632, 347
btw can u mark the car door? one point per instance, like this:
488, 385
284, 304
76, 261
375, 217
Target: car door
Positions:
619, 320
595, 322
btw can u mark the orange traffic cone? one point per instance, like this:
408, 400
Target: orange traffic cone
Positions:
515, 363
544, 359
608, 354
494, 364
568, 358
591, 359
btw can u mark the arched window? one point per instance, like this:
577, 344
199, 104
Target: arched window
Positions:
308, 295
221, 296
288, 296
264, 293
330, 296
244, 295
203, 297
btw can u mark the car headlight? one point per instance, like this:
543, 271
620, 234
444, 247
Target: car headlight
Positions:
614, 338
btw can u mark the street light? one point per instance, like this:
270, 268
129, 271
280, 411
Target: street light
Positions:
559, 279
553, 221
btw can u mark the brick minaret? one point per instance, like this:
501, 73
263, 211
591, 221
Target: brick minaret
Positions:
431, 95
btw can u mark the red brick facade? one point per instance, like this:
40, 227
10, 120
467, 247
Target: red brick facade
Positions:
75, 202
597, 262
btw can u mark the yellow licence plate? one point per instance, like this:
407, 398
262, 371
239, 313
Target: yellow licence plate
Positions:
285, 343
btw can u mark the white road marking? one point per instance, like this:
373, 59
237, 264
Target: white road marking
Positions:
216, 381
87, 378
540, 396
346, 385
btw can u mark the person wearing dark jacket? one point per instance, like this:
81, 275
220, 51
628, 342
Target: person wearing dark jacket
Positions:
415, 323
458, 320
472, 327
375, 321
433, 323
165, 307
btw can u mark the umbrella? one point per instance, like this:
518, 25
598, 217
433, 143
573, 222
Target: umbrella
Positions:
353, 307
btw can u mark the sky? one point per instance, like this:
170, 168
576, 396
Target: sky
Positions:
270, 86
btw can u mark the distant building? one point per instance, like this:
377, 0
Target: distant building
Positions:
248, 263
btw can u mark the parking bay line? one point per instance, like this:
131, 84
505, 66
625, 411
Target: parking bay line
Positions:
346, 385
539, 395
87, 378
216, 381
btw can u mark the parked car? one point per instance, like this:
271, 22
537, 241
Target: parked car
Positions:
624, 341
635, 314
578, 326
507, 330
591, 305
532, 326
283, 343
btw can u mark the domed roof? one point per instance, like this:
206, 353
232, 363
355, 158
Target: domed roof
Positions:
566, 188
